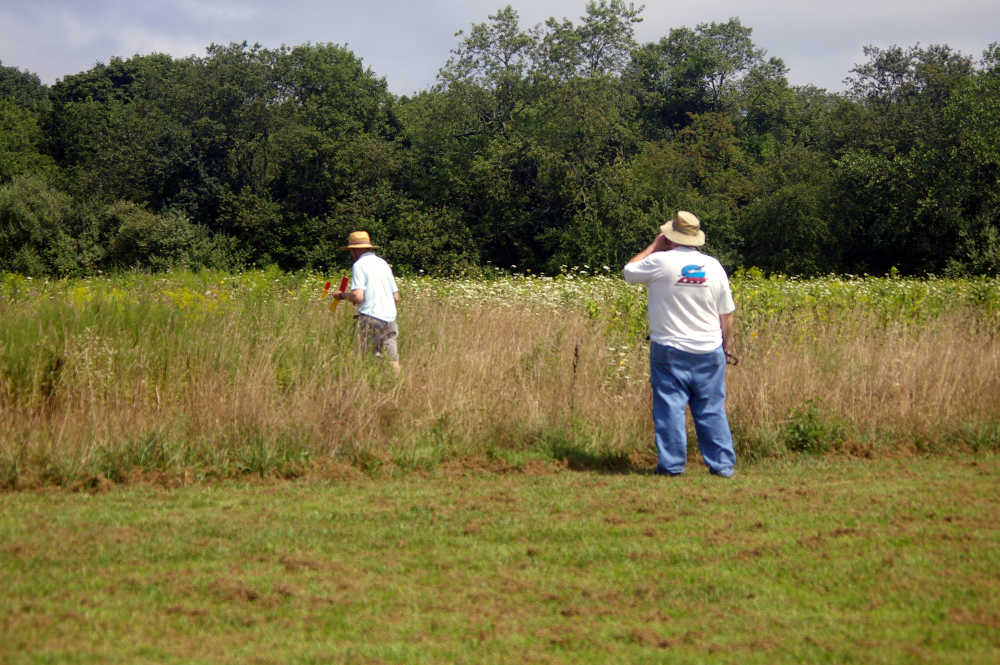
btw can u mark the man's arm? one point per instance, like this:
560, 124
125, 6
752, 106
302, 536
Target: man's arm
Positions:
357, 296
726, 321
659, 244
395, 296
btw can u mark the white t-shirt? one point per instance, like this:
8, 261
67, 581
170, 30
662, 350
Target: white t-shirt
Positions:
374, 275
687, 293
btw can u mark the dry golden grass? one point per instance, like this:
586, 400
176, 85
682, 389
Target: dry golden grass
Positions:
472, 378
270, 387
905, 382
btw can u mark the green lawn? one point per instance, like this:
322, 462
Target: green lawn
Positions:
810, 561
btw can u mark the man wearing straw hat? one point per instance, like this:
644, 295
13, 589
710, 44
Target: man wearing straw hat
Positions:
690, 312
373, 291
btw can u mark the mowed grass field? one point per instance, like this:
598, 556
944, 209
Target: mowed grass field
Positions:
799, 560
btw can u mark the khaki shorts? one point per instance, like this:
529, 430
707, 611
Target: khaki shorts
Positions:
379, 335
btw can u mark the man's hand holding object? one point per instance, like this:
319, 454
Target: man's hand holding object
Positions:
336, 299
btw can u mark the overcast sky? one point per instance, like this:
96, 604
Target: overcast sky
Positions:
408, 41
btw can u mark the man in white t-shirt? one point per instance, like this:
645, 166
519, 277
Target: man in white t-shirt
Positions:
373, 291
690, 313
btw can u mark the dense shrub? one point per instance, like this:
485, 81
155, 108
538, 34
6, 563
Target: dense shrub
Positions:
147, 241
33, 234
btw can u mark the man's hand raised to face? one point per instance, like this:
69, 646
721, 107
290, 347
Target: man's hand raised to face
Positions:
661, 244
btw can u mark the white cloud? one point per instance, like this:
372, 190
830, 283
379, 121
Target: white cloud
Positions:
408, 41
73, 32
232, 11
140, 39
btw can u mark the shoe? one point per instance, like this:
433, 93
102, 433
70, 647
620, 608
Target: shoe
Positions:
726, 472
661, 472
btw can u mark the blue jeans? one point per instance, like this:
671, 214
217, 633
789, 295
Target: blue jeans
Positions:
679, 378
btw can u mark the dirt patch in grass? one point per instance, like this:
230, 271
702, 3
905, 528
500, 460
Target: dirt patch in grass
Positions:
985, 618
534, 468
331, 469
648, 637
234, 590
476, 465
474, 527
92, 483
297, 563
21, 551
286, 590
193, 612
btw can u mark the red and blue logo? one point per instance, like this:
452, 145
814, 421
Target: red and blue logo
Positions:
693, 275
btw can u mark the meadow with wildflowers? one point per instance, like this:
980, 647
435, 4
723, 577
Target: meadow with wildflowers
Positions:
222, 375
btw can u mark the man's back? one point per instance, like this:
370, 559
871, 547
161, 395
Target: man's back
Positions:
374, 275
687, 292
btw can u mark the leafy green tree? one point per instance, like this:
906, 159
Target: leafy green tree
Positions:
434, 240
102, 127
899, 186
809, 117
34, 239
252, 143
464, 148
703, 171
525, 126
785, 228
712, 68
601, 45
565, 143
973, 118
23, 89
585, 136
487, 76
20, 144
338, 136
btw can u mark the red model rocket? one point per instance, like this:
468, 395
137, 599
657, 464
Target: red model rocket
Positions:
343, 287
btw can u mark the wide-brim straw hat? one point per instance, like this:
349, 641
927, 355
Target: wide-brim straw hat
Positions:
684, 229
359, 240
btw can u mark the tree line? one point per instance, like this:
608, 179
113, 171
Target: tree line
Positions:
567, 143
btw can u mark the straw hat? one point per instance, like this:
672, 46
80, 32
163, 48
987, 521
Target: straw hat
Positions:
360, 240
684, 229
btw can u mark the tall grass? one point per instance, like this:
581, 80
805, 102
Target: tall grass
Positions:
237, 374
